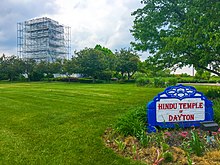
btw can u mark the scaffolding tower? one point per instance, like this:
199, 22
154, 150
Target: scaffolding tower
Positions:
43, 39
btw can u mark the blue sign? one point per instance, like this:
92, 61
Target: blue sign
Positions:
181, 106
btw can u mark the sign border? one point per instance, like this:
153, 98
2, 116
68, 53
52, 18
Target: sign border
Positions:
179, 92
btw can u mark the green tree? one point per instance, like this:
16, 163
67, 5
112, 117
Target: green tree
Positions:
55, 67
29, 65
109, 56
38, 71
110, 61
179, 33
202, 74
69, 67
3, 75
127, 62
12, 67
91, 62
103, 49
48, 69
152, 70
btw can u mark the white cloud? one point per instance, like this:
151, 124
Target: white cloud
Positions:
14, 11
104, 22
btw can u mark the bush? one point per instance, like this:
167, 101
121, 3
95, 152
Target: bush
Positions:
213, 81
216, 107
185, 80
168, 156
105, 75
142, 81
66, 79
184, 75
133, 124
138, 75
100, 81
213, 93
159, 83
114, 79
129, 81
171, 82
35, 76
85, 80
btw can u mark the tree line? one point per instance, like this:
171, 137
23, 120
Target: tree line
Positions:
96, 63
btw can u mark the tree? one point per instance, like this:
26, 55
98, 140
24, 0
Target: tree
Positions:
12, 67
55, 67
127, 62
36, 69
179, 33
3, 75
152, 70
29, 65
109, 57
69, 67
110, 61
201, 74
91, 62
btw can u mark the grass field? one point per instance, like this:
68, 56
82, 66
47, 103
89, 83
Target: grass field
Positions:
62, 123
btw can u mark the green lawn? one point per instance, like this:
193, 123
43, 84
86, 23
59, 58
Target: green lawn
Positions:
62, 123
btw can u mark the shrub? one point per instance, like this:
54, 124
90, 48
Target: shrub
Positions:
217, 110
122, 81
85, 80
133, 123
213, 93
171, 82
100, 81
159, 83
114, 79
138, 75
184, 75
35, 76
66, 79
168, 157
105, 75
142, 81
213, 81
182, 80
129, 81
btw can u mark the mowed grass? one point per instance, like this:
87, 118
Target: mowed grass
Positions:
62, 123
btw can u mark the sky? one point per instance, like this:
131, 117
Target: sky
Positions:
104, 22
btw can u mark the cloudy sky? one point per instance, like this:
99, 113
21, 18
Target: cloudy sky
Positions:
104, 22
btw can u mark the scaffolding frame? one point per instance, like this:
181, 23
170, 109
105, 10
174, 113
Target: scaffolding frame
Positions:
43, 39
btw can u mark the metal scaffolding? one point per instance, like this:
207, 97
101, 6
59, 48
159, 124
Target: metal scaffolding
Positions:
43, 39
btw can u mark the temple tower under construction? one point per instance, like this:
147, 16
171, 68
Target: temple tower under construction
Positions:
43, 39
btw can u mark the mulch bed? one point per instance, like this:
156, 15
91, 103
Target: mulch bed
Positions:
154, 152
